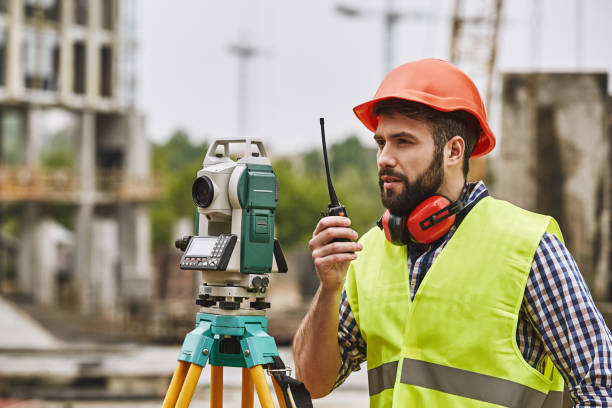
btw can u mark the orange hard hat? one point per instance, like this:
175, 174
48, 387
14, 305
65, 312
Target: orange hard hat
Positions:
435, 83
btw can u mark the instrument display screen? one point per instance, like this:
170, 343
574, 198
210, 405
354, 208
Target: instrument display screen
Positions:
201, 246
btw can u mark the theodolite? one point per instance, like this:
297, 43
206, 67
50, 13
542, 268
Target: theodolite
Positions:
236, 193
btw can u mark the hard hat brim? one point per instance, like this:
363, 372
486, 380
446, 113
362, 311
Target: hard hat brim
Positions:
486, 140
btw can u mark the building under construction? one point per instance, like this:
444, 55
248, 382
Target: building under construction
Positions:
74, 59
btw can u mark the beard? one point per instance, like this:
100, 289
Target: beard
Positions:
413, 193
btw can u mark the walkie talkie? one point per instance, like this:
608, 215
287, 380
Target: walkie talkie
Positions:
334, 207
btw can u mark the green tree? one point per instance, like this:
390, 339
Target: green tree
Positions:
313, 163
348, 153
59, 150
302, 198
303, 194
178, 152
176, 162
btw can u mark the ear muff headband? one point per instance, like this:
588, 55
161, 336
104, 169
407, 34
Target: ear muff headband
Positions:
427, 223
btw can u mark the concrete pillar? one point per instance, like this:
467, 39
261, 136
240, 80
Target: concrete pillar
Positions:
14, 70
66, 55
83, 257
517, 163
138, 148
92, 88
555, 159
87, 154
49, 236
135, 271
135, 252
105, 258
28, 257
84, 261
134, 226
31, 140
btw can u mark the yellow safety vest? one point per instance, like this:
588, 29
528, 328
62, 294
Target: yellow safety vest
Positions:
455, 344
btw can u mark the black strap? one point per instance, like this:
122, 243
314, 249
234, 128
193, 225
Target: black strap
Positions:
469, 207
441, 215
300, 394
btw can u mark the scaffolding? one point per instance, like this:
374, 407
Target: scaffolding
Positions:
77, 57
45, 185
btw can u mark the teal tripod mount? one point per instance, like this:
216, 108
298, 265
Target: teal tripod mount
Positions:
236, 194
233, 341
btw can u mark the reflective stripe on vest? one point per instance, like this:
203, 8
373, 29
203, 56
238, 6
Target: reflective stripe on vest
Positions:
553, 400
382, 377
474, 385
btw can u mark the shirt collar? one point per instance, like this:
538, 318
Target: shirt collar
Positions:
473, 192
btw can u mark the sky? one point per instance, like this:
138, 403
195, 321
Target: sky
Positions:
312, 62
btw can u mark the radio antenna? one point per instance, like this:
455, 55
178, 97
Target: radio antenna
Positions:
332, 193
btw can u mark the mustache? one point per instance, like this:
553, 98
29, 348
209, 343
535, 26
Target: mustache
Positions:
390, 172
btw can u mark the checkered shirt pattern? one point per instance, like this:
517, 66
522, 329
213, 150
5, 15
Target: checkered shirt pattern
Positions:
558, 318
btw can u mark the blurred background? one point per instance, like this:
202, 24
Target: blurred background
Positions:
107, 108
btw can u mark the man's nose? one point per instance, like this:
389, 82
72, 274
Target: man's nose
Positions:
386, 158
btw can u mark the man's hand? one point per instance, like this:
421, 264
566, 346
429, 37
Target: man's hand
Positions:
315, 345
331, 259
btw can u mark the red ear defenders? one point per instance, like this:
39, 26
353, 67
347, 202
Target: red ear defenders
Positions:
427, 223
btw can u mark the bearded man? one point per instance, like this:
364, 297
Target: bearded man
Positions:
456, 299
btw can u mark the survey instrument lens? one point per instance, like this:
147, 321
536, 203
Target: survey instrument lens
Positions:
203, 191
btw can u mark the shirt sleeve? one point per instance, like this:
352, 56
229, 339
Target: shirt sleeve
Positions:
351, 343
572, 330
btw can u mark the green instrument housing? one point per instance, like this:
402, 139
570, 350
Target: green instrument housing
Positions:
258, 196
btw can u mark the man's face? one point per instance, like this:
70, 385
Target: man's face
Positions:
409, 170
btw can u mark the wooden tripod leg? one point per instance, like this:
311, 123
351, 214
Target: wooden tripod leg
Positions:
178, 378
247, 389
216, 386
261, 386
279, 394
193, 375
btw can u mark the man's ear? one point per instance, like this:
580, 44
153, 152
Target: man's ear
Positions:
454, 150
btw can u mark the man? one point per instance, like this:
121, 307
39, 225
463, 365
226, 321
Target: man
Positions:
482, 305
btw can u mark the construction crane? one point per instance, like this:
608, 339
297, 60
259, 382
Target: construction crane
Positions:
473, 47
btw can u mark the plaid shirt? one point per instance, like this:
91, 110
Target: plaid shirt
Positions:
558, 317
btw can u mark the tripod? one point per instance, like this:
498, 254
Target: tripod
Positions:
230, 341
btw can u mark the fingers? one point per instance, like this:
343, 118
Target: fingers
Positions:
329, 234
323, 264
331, 259
336, 248
330, 228
333, 221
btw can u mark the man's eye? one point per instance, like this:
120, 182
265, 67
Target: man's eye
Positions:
380, 142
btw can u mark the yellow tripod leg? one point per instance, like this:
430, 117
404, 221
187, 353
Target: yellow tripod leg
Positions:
279, 394
261, 386
193, 375
247, 389
216, 386
178, 378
